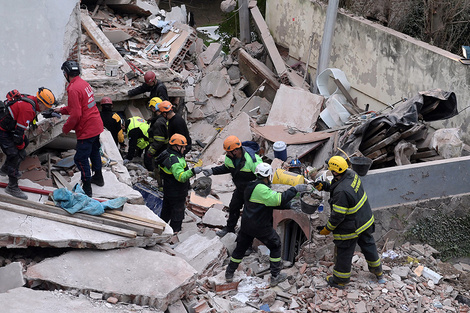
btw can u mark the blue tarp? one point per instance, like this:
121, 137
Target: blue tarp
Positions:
77, 201
153, 199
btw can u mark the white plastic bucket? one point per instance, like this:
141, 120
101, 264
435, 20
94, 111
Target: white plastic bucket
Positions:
323, 82
111, 67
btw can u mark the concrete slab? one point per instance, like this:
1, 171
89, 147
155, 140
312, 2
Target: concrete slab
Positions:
239, 127
305, 114
214, 217
202, 253
215, 84
21, 231
130, 275
202, 130
11, 276
28, 300
111, 150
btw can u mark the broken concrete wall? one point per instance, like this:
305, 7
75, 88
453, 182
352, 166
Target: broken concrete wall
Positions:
381, 64
36, 37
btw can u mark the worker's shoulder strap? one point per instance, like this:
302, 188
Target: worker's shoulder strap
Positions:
22, 98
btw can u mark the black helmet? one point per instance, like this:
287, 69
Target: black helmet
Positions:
71, 68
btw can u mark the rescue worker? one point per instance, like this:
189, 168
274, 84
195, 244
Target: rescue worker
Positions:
15, 116
241, 162
176, 175
351, 221
137, 132
156, 88
158, 134
176, 123
111, 120
257, 221
84, 118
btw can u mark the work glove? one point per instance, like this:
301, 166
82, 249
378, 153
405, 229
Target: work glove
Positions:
319, 185
302, 188
207, 171
125, 161
49, 113
197, 170
323, 231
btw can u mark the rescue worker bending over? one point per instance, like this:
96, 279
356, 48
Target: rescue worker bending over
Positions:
156, 88
241, 162
176, 175
351, 221
111, 120
137, 132
257, 221
16, 113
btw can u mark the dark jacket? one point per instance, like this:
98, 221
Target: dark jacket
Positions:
112, 122
243, 171
177, 125
158, 135
175, 173
158, 90
351, 213
260, 201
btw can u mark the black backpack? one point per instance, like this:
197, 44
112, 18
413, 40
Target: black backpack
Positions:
6, 120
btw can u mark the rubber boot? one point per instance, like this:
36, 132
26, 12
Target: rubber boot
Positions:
97, 179
87, 188
13, 189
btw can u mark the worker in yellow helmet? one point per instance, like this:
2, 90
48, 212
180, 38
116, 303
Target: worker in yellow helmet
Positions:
351, 221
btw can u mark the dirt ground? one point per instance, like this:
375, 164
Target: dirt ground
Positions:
206, 12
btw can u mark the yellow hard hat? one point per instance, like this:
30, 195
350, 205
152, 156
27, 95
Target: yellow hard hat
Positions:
337, 164
154, 102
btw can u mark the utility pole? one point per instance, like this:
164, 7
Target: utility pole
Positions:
327, 39
244, 19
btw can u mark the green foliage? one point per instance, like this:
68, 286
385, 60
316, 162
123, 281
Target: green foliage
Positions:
230, 27
446, 233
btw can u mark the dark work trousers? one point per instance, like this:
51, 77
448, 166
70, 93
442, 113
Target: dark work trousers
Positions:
234, 209
344, 251
244, 241
88, 149
13, 159
173, 210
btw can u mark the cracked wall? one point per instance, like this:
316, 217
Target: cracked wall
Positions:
381, 64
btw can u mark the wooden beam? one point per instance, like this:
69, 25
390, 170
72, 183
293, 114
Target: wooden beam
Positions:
103, 42
138, 218
68, 220
348, 96
390, 139
156, 228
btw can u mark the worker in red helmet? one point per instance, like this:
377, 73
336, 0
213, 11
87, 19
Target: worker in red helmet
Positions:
111, 120
16, 114
152, 85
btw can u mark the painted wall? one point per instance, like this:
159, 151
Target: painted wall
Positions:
381, 65
36, 37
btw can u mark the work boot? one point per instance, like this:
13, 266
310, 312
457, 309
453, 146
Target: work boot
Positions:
331, 282
275, 280
97, 179
381, 279
87, 188
228, 276
224, 231
13, 190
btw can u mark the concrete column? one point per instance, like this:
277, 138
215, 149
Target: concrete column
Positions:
244, 19
327, 39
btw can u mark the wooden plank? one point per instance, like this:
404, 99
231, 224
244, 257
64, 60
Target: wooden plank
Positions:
424, 154
372, 141
102, 41
68, 220
390, 139
371, 132
138, 218
60, 180
348, 96
376, 154
156, 228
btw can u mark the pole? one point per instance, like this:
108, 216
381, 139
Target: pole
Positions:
244, 18
329, 29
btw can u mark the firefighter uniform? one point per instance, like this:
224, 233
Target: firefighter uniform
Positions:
137, 132
257, 222
352, 222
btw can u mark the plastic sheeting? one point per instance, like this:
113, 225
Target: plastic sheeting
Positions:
77, 201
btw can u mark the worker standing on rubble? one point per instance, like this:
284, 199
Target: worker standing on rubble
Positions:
84, 118
176, 123
158, 135
16, 113
111, 120
351, 221
241, 162
257, 221
176, 175
156, 87
138, 135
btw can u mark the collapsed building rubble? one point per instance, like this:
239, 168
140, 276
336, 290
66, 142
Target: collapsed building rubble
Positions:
220, 97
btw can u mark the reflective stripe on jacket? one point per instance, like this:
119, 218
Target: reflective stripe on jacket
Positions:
138, 122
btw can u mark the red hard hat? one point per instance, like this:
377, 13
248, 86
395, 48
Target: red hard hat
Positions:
106, 100
149, 77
